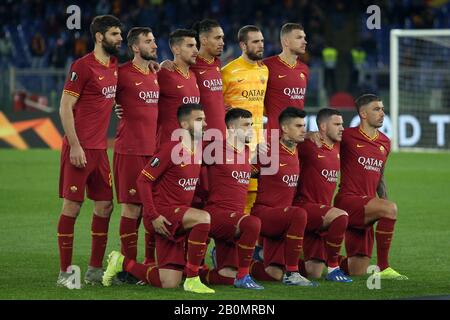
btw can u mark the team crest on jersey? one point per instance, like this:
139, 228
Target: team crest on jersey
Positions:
115, 73
302, 75
233, 214
382, 149
154, 163
338, 156
263, 80
217, 68
73, 189
132, 192
156, 82
73, 76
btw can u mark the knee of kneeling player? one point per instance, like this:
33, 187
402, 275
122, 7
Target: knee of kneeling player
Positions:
250, 224
170, 283
203, 217
390, 211
298, 214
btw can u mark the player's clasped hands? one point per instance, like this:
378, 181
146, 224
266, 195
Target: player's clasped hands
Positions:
118, 110
160, 227
77, 157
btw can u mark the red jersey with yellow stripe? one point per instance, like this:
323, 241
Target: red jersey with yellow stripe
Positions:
94, 84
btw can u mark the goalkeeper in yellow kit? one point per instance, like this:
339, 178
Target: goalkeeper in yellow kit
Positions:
244, 86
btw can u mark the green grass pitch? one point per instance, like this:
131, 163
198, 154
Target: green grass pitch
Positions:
29, 210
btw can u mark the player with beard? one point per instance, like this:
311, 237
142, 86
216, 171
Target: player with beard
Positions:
167, 185
138, 94
288, 75
85, 110
364, 151
244, 86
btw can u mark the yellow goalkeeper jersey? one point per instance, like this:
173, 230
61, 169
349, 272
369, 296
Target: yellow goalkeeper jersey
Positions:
244, 86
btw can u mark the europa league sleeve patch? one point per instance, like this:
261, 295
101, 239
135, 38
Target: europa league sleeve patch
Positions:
73, 76
154, 162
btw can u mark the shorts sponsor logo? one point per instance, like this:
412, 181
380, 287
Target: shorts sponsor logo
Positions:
291, 180
179, 87
73, 189
371, 164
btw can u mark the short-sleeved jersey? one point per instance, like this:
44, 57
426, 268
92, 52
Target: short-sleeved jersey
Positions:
228, 181
209, 81
176, 88
362, 161
279, 190
244, 86
319, 172
173, 181
94, 84
286, 87
138, 94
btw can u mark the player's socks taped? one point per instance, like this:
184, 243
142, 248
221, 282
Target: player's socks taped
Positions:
66, 226
99, 232
294, 236
334, 238
196, 248
384, 234
128, 237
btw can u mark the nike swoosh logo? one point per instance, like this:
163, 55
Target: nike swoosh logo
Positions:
179, 87
138, 83
360, 145
283, 164
280, 76
101, 78
183, 165
202, 72
319, 156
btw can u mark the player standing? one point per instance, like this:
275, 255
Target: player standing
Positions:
234, 232
282, 225
138, 94
288, 75
319, 172
364, 151
167, 185
244, 86
86, 106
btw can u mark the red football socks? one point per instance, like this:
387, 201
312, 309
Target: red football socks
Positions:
335, 235
384, 234
294, 238
66, 227
148, 274
213, 277
99, 231
249, 231
196, 248
128, 237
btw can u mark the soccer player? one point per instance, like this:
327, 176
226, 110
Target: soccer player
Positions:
137, 94
244, 86
234, 233
288, 75
178, 86
319, 172
364, 151
282, 225
85, 110
166, 186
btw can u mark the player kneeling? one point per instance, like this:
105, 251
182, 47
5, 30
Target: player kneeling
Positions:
167, 186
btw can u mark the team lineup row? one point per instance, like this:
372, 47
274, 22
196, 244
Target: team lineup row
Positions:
159, 177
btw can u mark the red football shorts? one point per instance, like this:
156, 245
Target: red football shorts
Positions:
127, 169
358, 237
95, 177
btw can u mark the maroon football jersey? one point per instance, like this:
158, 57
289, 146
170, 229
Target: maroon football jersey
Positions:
286, 87
362, 161
173, 183
279, 190
176, 88
228, 181
138, 94
319, 172
94, 84
209, 80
